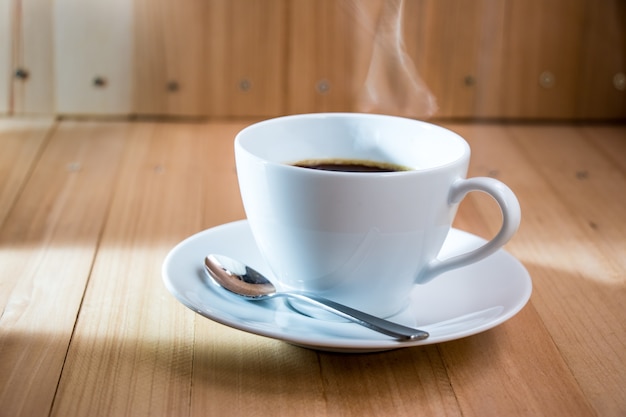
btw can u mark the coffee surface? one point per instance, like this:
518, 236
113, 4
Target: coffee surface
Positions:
350, 165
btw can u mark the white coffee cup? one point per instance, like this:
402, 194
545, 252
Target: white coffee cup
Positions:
361, 239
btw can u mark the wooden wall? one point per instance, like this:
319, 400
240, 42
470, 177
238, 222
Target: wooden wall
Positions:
485, 59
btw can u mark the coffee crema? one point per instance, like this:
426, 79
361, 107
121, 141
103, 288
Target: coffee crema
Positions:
350, 165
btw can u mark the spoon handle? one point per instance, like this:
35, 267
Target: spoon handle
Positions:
387, 327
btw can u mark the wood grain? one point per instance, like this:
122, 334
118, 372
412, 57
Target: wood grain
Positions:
396, 382
602, 59
87, 327
170, 79
329, 52
7, 21
610, 142
486, 59
594, 297
22, 141
542, 42
93, 41
47, 245
569, 248
244, 61
524, 386
129, 324
449, 71
241, 374
529, 381
34, 53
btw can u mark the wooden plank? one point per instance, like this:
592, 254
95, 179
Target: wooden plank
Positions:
34, 54
375, 384
540, 58
232, 63
244, 61
488, 60
133, 346
475, 364
328, 55
21, 141
93, 41
518, 382
611, 140
170, 67
587, 183
444, 40
602, 59
236, 372
595, 297
135, 350
47, 246
578, 278
6, 56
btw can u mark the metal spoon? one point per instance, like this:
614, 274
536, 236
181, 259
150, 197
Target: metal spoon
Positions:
242, 280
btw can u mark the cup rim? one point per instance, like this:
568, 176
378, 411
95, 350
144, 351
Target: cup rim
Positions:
464, 156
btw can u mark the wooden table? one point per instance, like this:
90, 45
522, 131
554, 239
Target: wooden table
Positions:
89, 209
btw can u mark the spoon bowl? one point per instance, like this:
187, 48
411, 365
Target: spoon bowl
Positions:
248, 283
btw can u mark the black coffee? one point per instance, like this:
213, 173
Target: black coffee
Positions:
350, 165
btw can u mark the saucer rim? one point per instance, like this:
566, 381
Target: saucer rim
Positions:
316, 340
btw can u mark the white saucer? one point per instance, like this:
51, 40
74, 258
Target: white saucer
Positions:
456, 304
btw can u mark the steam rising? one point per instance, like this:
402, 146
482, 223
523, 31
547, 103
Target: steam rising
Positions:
392, 84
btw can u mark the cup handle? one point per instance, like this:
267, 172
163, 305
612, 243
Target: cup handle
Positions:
511, 215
